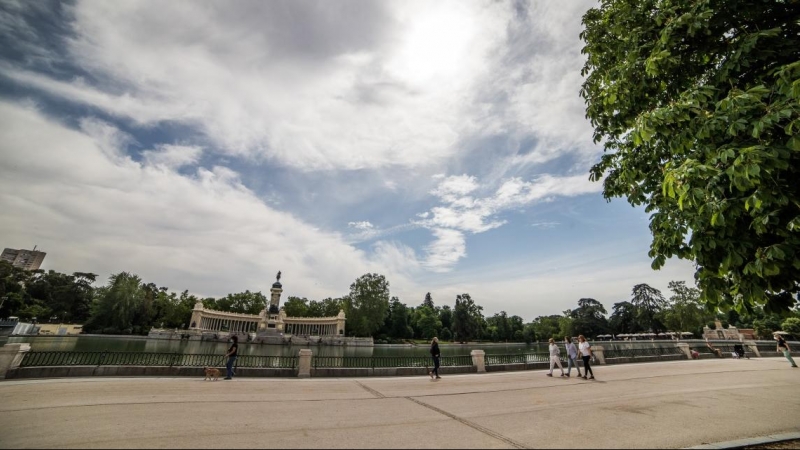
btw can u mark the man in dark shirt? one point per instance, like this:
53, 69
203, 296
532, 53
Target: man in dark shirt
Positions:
784, 348
232, 352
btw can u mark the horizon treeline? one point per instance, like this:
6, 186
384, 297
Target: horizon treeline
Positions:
128, 305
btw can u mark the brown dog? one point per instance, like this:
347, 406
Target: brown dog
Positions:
211, 372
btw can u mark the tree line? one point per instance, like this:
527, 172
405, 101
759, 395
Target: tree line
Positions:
128, 305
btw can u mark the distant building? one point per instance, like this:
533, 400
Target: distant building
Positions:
731, 332
60, 329
25, 259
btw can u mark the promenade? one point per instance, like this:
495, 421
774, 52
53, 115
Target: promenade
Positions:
664, 404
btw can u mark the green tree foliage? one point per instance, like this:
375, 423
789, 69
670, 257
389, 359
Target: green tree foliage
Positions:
467, 319
529, 333
696, 103
623, 319
445, 335
446, 316
428, 322
117, 306
546, 327
367, 304
428, 301
649, 303
589, 319
765, 326
296, 307
399, 326
791, 325
684, 312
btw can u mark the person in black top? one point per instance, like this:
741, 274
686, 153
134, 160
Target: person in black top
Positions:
784, 347
436, 355
232, 352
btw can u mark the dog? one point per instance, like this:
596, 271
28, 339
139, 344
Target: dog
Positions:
211, 372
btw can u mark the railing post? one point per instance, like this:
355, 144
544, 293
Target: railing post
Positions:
479, 360
11, 357
304, 363
597, 351
684, 347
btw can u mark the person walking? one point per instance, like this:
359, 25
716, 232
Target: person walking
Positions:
436, 356
586, 355
783, 347
572, 355
555, 357
231, 355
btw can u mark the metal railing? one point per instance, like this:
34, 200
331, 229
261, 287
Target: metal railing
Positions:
372, 362
520, 358
39, 359
642, 352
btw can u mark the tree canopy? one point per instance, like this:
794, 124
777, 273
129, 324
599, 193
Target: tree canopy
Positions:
697, 105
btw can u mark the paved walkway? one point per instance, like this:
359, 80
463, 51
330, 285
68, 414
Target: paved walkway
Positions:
668, 404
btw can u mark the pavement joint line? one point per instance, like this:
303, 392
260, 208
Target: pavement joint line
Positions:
739, 443
370, 390
472, 425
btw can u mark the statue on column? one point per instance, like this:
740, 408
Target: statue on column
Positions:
279, 276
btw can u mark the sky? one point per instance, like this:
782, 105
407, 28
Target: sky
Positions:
206, 145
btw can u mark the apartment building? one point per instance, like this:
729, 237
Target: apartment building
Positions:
26, 259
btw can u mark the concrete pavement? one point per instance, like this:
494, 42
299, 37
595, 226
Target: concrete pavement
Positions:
666, 404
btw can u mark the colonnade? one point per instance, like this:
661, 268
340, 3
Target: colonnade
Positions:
231, 325
311, 329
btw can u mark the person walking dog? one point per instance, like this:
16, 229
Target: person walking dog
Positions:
783, 347
555, 358
572, 355
232, 352
586, 355
436, 357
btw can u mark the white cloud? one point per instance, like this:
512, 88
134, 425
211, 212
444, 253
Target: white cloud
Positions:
311, 85
448, 247
363, 225
91, 210
463, 213
545, 225
172, 156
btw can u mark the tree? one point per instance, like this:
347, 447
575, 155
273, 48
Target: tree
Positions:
696, 103
398, 326
296, 307
446, 316
367, 304
589, 319
529, 333
648, 302
792, 326
428, 301
428, 322
623, 319
546, 327
684, 312
467, 319
118, 305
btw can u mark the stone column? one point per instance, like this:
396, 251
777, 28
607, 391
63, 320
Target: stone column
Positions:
597, 351
478, 360
684, 347
304, 363
11, 357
